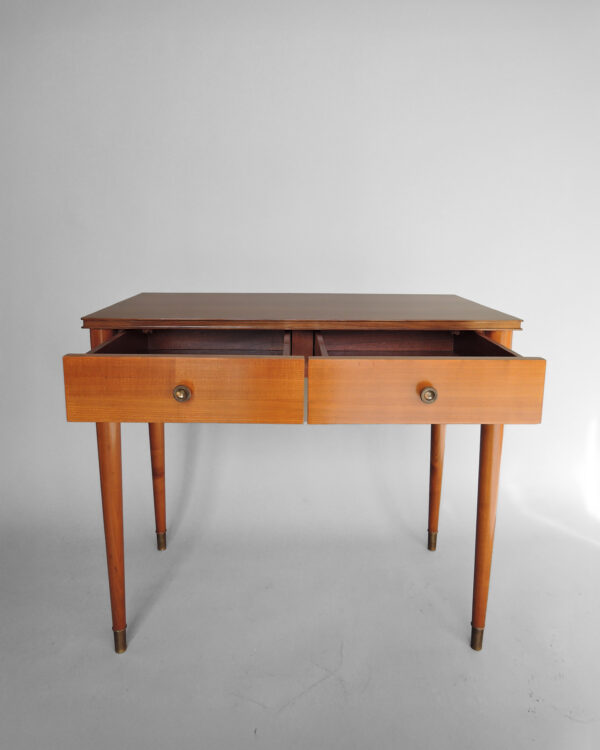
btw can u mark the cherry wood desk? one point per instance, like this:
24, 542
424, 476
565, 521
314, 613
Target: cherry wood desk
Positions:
389, 358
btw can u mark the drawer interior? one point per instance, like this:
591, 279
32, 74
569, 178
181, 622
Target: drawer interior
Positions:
194, 341
407, 344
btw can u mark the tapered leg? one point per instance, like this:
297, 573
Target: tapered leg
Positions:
109, 456
157, 457
487, 501
436, 467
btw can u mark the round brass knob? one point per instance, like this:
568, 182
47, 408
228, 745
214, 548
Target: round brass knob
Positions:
181, 393
429, 395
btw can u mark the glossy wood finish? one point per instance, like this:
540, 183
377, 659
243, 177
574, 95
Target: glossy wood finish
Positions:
436, 468
368, 358
132, 388
487, 500
99, 336
365, 390
490, 454
301, 311
157, 458
504, 338
109, 457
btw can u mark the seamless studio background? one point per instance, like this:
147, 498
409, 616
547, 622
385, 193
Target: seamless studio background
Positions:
305, 147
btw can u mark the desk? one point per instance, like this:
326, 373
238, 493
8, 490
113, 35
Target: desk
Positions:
369, 359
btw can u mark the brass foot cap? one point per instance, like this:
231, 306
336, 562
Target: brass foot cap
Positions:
476, 638
432, 540
120, 640
161, 540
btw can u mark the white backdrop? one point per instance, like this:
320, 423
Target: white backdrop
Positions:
305, 147
331, 147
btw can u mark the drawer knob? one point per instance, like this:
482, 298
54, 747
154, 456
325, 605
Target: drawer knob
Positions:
181, 393
429, 395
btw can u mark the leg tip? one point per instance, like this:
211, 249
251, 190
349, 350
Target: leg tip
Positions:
120, 640
476, 638
161, 540
432, 540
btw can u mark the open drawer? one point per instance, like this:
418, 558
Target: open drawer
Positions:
187, 376
421, 377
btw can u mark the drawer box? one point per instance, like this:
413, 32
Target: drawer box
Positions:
232, 376
378, 377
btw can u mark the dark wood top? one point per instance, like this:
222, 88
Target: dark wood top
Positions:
300, 311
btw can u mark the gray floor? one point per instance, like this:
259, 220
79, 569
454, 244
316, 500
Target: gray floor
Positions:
296, 608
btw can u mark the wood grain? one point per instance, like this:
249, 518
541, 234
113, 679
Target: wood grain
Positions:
504, 338
347, 343
193, 340
109, 457
436, 468
100, 336
384, 390
200, 341
303, 345
487, 500
156, 431
301, 311
132, 388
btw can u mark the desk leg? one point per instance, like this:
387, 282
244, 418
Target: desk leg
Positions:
436, 467
109, 456
487, 501
157, 458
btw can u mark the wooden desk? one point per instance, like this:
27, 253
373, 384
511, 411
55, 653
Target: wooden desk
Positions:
389, 358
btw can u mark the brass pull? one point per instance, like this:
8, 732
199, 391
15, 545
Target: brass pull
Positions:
429, 395
181, 393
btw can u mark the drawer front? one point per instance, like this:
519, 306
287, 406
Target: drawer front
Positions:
376, 391
130, 388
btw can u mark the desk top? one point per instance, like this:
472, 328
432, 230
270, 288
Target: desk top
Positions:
301, 311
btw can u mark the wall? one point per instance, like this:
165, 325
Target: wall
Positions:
315, 146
